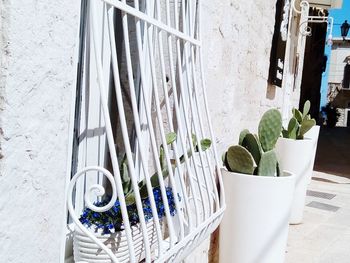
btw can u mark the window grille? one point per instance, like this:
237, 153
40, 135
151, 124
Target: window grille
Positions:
151, 51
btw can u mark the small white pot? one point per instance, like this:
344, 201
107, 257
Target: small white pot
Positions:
86, 250
255, 224
313, 134
295, 156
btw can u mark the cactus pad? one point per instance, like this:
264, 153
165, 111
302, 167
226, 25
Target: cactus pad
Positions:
270, 128
297, 114
306, 109
306, 125
268, 164
242, 136
252, 144
293, 127
240, 160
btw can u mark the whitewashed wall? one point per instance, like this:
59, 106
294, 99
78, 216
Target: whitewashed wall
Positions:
38, 44
237, 43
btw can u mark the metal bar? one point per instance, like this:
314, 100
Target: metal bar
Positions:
137, 14
109, 132
152, 134
170, 119
127, 143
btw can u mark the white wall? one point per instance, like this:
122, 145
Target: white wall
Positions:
36, 91
338, 54
38, 42
237, 39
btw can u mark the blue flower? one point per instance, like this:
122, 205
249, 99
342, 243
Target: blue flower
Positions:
96, 215
113, 217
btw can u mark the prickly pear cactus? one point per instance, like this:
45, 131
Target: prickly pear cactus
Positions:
240, 160
300, 123
254, 154
270, 128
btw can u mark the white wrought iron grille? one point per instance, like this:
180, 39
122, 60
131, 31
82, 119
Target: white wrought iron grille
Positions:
151, 51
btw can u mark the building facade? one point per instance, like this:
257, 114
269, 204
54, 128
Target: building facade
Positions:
40, 43
338, 80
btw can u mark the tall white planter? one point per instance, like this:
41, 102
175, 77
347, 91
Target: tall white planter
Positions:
255, 224
313, 134
295, 156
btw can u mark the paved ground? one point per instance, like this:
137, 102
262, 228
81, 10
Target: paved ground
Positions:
324, 235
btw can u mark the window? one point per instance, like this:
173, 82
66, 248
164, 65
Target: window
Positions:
140, 79
278, 47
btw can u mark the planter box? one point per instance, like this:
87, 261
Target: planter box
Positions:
86, 250
296, 156
256, 220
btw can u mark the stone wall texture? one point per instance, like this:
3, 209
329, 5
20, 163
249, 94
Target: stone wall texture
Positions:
38, 70
237, 40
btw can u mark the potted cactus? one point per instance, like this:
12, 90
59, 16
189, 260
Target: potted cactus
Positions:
295, 152
259, 196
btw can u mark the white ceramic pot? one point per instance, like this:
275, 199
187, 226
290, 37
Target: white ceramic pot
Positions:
86, 250
295, 156
313, 134
255, 224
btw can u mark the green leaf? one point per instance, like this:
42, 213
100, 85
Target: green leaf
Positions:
242, 136
306, 109
297, 114
252, 144
307, 117
130, 199
240, 160
170, 137
205, 144
269, 129
293, 127
306, 126
268, 164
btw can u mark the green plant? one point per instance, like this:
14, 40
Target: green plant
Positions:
255, 153
170, 139
299, 124
111, 221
